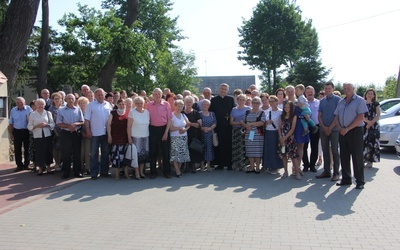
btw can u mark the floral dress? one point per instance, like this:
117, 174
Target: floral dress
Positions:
371, 146
290, 143
208, 121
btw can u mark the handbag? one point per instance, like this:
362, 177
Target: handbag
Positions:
215, 139
127, 161
196, 145
373, 134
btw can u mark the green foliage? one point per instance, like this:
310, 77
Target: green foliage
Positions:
146, 55
389, 90
276, 37
3, 11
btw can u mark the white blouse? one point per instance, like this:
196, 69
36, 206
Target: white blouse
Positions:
275, 117
141, 122
179, 123
35, 118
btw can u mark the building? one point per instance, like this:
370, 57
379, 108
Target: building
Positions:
234, 82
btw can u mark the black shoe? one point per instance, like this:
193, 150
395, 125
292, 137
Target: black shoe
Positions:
250, 171
178, 175
219, 168
313, 170
305, 170
229, 168
65, 176
257, 172
343, 183
105, 175
78, 175
93, 178
360, 186
142, 177
18, 169
153, 176
167, 175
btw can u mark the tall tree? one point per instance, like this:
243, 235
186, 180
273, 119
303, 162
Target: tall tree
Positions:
14, 36
107, 72
271, 36
44, 46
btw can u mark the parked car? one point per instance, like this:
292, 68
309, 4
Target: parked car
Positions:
390, 131
390, 112
397, 146
388, 103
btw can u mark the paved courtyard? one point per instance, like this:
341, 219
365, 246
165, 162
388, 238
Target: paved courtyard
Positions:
212, 210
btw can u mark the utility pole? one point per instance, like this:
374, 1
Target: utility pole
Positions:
398, 84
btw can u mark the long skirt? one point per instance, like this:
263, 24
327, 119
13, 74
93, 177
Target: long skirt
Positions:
271, 158
254, 148
179, 149
239, 159
142, 146
117, 155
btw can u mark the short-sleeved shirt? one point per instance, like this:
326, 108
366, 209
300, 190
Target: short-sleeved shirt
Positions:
141, 121
97, 114
18, 117
238, 114
314, 105
160, 113
347, 112
302, 99
178, 122
327, 107
69, 115
275, 116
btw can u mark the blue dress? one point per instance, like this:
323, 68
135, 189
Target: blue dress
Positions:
208, 121
298, 131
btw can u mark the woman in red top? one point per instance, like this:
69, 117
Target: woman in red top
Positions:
118, 137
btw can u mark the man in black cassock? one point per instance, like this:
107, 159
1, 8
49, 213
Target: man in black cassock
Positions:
222, 105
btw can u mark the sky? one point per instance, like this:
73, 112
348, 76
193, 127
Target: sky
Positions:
359, 39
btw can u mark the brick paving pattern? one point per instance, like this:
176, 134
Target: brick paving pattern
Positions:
212, 210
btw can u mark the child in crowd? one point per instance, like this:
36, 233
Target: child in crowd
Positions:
305, 110
287, 143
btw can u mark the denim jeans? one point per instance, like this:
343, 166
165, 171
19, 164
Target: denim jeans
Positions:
95, 143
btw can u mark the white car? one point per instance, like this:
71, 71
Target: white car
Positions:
397, 146
390, 131
390, 112
388, 103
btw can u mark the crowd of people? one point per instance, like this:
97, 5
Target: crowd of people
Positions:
181, 133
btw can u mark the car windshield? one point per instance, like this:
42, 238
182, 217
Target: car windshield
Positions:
385, 105
395, 108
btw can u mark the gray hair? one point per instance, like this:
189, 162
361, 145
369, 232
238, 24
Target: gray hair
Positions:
40, 100
189, 98
138, 99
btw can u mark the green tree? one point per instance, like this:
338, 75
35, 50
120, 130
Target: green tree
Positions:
389, 91
14, 36
276, 37
270, 37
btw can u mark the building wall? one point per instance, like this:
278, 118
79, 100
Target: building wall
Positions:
4, 140
234, 82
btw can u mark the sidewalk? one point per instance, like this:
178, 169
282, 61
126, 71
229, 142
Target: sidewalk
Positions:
212, 210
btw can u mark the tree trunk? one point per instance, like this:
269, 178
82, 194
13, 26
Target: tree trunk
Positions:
43, 49
274, 79
107, 72
14, 37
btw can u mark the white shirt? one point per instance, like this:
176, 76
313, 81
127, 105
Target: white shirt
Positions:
141, 122
275, 117
179, 123
35, 118
97, 114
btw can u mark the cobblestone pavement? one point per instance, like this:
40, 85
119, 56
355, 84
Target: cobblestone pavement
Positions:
212, 210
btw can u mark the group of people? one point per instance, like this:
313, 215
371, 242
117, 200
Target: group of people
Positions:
248, 131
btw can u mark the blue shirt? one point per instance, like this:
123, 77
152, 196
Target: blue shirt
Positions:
18, 118
238, 114
347, 112
327, 107
69, 115
314, 106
